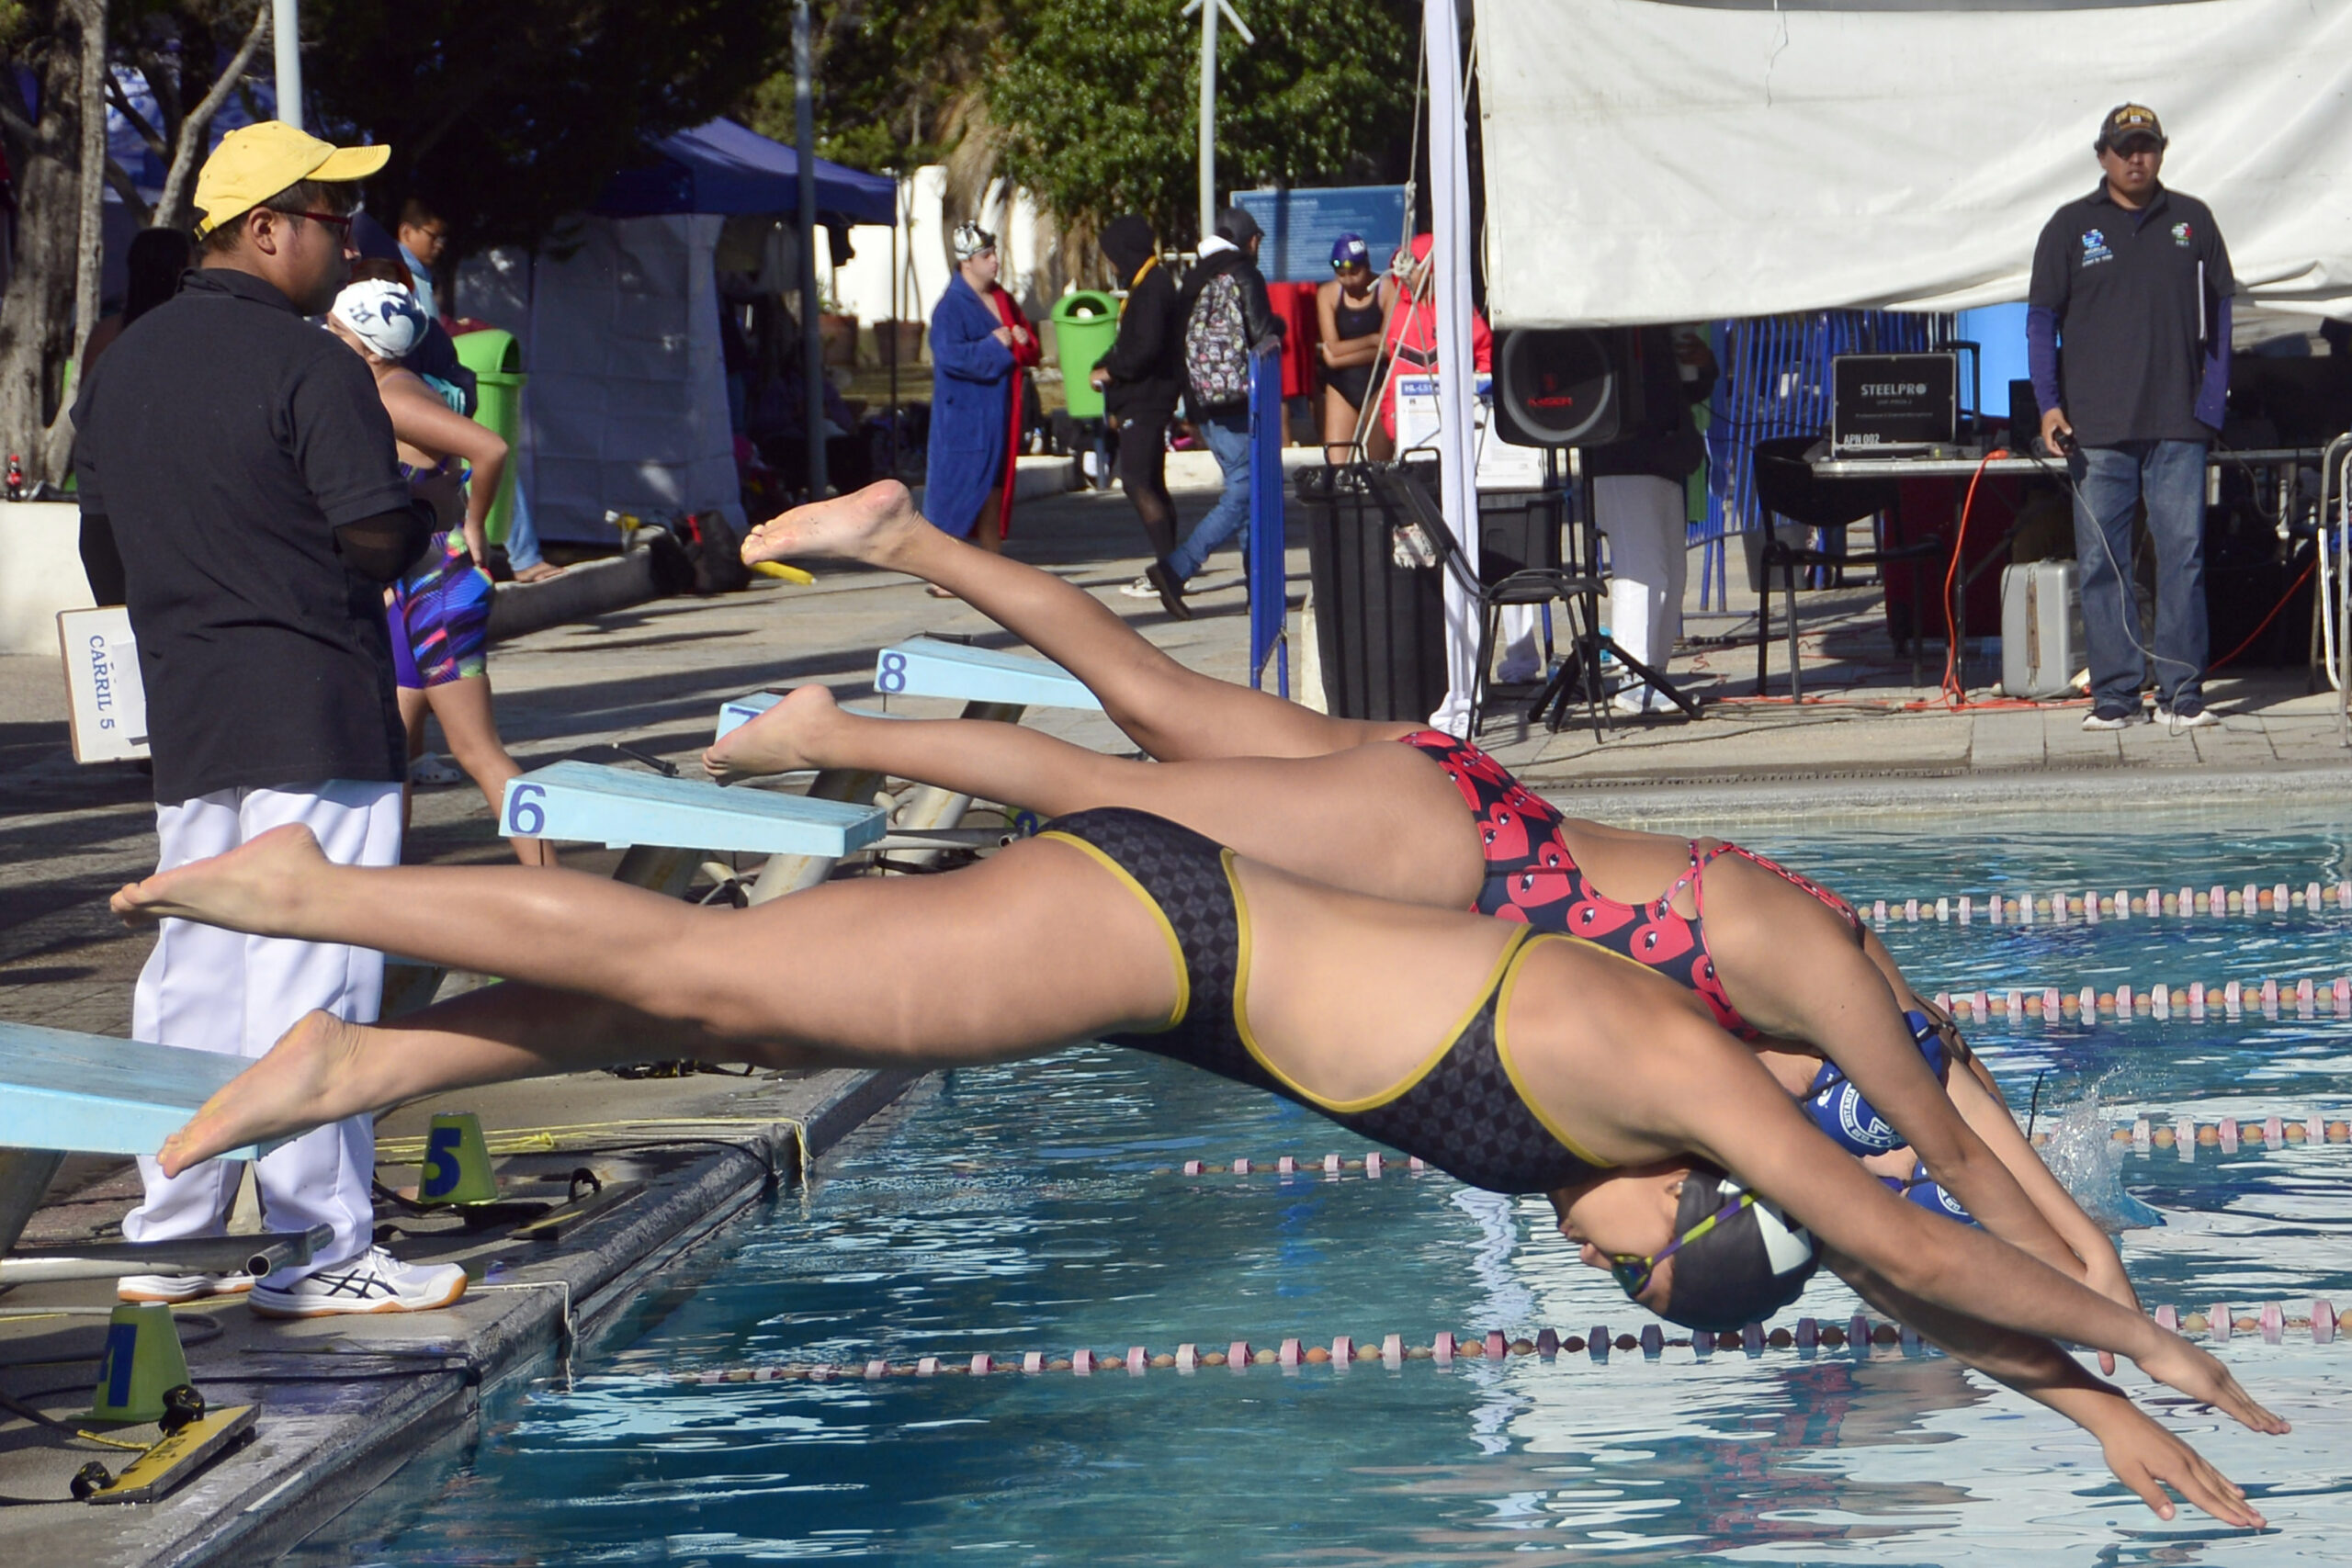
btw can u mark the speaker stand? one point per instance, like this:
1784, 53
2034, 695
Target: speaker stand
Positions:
1582, 667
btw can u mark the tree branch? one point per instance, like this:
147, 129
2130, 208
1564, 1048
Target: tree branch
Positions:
173, 208
118, 179
122, 101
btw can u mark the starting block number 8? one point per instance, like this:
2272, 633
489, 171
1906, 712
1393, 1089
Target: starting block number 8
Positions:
524, 816
890, 675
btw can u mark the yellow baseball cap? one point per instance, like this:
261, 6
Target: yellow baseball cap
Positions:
256, 162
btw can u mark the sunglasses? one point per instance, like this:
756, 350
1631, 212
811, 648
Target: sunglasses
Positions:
1633, 1272
340, 223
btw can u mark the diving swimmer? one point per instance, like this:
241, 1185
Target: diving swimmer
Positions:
1517, 1060
1436, 821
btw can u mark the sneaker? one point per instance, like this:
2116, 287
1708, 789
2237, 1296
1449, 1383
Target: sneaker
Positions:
172, 1288
1140, 588
1171, 592
2198, 717
1631, 703
429, 771
374, 1281
2108, 718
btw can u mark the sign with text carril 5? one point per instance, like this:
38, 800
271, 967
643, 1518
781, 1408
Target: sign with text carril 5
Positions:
105, 700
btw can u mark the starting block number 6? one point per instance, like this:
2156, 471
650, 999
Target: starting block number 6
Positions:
524, 816
890, 675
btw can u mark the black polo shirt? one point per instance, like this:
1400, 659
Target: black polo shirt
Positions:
228, 438
2133, 311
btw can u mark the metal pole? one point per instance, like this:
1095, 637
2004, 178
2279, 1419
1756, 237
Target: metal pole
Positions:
1209, 9
812, 344
897, 335
286, 47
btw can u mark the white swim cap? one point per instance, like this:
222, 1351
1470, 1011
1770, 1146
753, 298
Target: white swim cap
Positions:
384, 316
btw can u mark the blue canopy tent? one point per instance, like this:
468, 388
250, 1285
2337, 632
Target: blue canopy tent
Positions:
726, 168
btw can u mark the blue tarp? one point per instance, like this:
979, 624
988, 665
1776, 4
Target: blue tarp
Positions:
725, 168
1263, 560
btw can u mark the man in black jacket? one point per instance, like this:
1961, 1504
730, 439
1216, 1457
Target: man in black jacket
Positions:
1141, 379
1227, 317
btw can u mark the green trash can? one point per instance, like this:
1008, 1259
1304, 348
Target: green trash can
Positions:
1085, 326
496, 360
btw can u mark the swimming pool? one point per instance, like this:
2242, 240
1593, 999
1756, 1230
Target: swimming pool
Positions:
1037, 1207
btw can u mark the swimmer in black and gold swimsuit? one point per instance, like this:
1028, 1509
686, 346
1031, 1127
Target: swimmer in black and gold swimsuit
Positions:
1462, 1110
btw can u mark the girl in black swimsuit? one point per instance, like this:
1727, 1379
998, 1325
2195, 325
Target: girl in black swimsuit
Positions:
1352, 312
1335, 800
1514, 1060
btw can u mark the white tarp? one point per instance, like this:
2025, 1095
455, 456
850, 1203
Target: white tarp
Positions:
625, 405
1659, 161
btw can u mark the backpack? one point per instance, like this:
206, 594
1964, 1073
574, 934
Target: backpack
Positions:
1216, 345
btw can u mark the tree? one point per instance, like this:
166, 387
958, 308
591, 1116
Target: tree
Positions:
56, 146
1099, 102
895, 80
509, 116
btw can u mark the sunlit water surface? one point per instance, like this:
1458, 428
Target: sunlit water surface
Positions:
1016, 1208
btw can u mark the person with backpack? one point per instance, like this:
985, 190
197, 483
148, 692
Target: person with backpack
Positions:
1228, 318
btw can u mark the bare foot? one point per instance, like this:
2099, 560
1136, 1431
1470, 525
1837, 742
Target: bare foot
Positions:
539, 572
777, 742
307, 1081
250, 889
870, 525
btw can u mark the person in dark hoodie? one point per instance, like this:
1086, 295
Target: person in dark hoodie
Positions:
1141, 379
1227, 317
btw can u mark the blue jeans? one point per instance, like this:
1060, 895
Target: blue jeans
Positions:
1228, 437
2169, 476
522, 540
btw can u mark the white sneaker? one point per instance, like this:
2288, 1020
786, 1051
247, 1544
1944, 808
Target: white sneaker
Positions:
175, 1287
1140, 588
374, 1281
2203, 718
430, 770
1633, 701
2098, 720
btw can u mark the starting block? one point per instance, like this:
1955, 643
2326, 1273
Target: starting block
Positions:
586, 803
95, 1094
928, 666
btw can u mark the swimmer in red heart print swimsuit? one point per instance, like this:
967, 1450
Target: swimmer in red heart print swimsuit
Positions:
1532, 878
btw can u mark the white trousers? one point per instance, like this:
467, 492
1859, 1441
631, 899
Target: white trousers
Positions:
208, 990
1649, 560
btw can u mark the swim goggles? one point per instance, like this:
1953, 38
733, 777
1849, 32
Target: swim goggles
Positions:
1633, 1272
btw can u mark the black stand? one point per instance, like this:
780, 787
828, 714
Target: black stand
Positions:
1581, 671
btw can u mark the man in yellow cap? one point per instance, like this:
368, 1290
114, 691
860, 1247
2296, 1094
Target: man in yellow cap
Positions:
245, 464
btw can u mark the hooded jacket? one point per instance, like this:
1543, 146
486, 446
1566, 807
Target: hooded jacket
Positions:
1259, 325
1146, 361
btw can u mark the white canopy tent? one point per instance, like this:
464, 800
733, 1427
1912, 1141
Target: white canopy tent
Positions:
1682, 160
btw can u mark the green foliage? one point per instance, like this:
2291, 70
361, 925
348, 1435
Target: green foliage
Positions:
891, 77
507, 117
1100, 100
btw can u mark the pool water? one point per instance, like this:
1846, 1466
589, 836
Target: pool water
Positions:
1025, 1208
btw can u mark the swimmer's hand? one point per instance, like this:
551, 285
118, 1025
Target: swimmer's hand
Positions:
2147, 1459
2180, 1365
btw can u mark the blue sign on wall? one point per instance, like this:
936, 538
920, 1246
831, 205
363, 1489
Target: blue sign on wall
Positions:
1301, 224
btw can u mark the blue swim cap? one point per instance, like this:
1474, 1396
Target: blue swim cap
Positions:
1930, 1041
1928, 1193
1839, 1109
1349, 250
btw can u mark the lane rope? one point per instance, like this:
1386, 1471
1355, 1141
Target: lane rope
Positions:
2089, 906
2306, 996
1859, 1336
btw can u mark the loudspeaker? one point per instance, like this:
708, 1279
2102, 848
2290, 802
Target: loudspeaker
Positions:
1567, 385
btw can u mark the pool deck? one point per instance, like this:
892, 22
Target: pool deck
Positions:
652, 677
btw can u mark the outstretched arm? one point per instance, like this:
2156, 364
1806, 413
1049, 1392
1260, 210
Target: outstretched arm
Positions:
1724, 1107
1836, 997
2142, 1455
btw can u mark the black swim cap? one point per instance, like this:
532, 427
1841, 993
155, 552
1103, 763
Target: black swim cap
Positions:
1744, 1269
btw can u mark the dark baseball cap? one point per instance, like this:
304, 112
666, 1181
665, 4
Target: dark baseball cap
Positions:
1747, 1267
2125, 121
1235, 224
